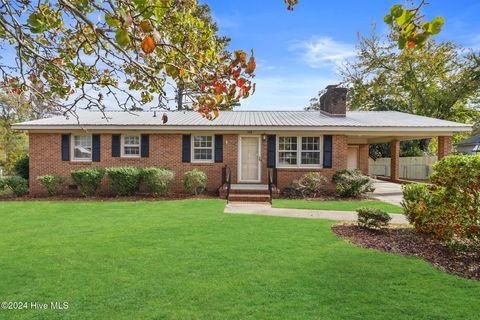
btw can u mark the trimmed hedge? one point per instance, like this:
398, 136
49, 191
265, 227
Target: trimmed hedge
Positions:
54, 184
157, 181
16, 184
195, 181
372, 218
310, 184
124, 181
352, 183
88, 180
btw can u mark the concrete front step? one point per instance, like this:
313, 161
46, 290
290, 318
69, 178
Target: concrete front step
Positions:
260, 190
249, 197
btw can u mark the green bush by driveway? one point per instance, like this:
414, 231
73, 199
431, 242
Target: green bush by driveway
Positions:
189, 260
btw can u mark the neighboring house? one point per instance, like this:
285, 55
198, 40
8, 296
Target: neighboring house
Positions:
291, 143
469, 146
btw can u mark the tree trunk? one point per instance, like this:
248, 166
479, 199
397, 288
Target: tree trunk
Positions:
180, 91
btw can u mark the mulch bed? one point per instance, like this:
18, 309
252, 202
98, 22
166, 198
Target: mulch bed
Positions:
76, 197
407, 242
324, 197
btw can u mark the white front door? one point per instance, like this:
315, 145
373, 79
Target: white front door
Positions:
249, 159
352, 159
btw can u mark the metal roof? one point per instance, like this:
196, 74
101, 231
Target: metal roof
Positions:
470, 141
242, 119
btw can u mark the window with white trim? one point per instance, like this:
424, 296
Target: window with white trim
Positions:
131, 146
299, 151
202, 149
310, 153
82, 148
287, 151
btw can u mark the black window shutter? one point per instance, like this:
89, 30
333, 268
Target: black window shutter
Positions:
65, 147
115, 145
327, 151
145, 145
96, 147
271, 151
186, 148
218, 148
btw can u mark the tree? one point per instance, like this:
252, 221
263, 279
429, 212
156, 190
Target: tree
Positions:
440, 80
183, 89
74, 53
408, 23
13, 144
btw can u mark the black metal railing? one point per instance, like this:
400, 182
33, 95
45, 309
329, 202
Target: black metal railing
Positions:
227, 179
271, 178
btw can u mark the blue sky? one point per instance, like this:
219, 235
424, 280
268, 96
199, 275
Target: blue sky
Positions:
297, 51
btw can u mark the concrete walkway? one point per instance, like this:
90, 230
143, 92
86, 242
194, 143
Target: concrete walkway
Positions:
387, 191
267, 210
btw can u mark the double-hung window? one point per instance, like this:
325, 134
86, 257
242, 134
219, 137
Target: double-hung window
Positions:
310, 153
299, 151
202, 149
82, 148
130, 146
287, 151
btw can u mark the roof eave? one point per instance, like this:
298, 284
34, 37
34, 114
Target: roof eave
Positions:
449, 129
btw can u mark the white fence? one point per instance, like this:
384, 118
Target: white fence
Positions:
411, 168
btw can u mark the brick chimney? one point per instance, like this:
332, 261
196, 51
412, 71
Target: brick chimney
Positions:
333, 103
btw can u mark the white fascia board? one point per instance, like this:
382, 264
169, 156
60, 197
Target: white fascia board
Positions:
384, 129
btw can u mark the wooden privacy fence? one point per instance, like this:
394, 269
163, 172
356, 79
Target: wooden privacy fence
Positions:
411, 168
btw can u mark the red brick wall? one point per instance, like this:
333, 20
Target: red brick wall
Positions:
339, 161
363, 158
165, 150
395, 160
444, 146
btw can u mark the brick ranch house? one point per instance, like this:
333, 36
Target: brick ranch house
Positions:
251, 144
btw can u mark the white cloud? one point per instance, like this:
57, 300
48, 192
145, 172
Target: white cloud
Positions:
324, 51
292, 92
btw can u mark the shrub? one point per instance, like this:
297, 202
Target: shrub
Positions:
448, 210
195, 181
17, 184
88, 180
124, 181
372, 218
414, 196
22, 167
352, 183
54, 184
157, 181
309, 185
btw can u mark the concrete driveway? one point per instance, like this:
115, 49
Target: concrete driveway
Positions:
387, 191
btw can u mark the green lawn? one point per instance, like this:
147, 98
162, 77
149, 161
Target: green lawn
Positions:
336, 205
188, 260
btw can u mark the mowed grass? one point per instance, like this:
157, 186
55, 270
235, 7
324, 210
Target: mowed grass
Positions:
189, 260
347, 205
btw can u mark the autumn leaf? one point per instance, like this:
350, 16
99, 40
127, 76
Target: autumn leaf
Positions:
250, 69
146, 26
148, 45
